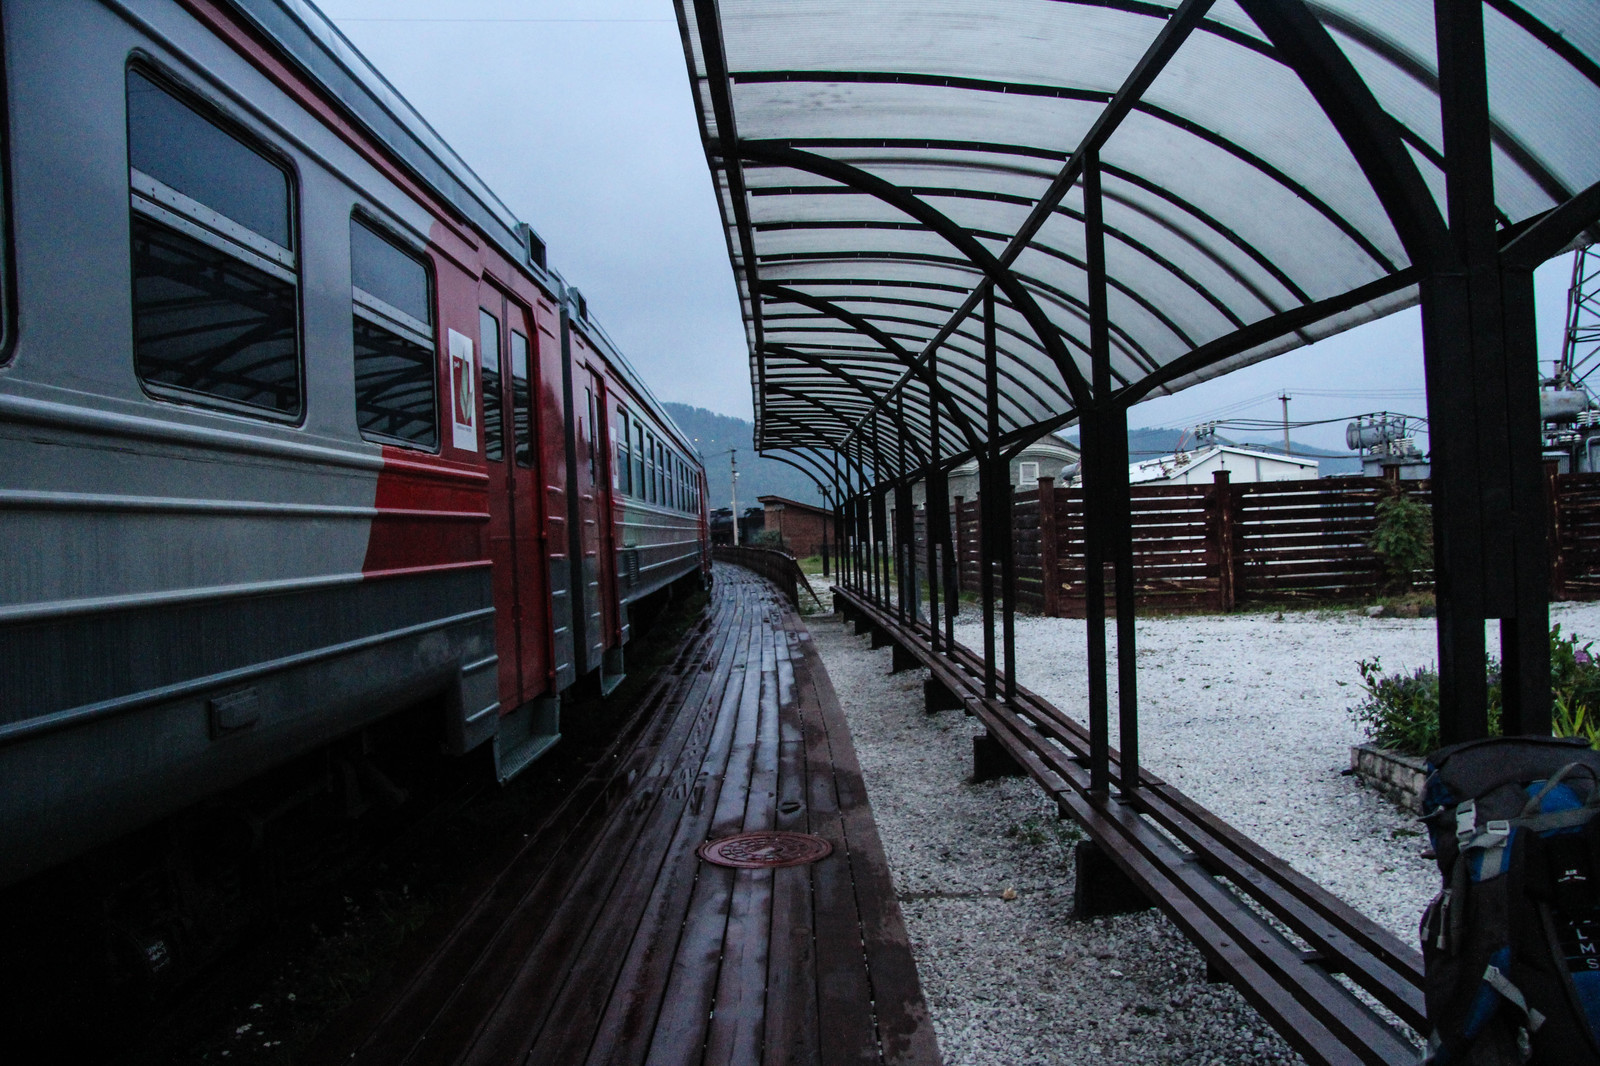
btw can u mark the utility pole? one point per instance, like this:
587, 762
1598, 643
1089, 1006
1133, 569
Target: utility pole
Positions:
734, 464
1284, 396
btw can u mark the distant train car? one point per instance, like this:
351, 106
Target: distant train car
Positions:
296, 426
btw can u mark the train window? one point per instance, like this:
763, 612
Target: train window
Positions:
396, 377
624, 468
655, 469
638, 459
494, 430
202, 163
521, 402
383, 271
215, 283
594, 434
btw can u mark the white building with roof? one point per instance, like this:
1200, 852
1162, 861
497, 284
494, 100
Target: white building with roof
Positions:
1242, 464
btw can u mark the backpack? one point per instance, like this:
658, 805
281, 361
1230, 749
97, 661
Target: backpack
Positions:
1511, 945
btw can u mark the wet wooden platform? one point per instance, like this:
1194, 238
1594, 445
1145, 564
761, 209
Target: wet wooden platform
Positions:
607, 940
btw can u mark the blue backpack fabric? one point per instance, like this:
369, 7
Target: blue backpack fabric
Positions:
1511, 945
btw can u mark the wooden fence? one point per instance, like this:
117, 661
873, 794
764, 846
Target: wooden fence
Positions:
1217, 546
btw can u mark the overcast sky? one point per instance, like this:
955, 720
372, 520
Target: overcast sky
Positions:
578, 114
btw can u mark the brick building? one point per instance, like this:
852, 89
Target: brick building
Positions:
801, 525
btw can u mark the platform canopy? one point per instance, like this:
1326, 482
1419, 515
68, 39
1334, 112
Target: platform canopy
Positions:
1270, 172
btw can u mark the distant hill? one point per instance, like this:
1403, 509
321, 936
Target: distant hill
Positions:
714, 434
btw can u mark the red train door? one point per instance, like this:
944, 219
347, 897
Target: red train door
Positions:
509, 434
595, 562
605, 484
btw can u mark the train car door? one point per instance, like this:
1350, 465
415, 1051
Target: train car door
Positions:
603, 471
550, 400
591, 520
509, 433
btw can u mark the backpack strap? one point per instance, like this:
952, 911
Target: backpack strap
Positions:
1534, 805
1496, 979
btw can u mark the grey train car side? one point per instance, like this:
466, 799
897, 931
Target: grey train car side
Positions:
286, 422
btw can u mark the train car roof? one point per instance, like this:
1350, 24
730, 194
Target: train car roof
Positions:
311, 41
576, 310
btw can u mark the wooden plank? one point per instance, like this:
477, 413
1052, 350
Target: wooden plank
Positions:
661, 858
491, 928
525, 996
738, 1016
792, 1023
904, 1029
624, 1033
691, 982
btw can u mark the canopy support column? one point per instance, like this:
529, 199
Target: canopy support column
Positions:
1114, 428
933, 496
905, 540
1097, 513
988, 491
1481, 364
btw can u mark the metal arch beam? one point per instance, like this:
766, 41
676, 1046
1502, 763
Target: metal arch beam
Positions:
1369, 132
1007, 374
1129, 346
1415, 69
974, 253
866, 326
708, 25
781, 455
1268, 329
1155, 58
849, 379
849, 351
819, 405
1131, 242
1554, 230
1549, 38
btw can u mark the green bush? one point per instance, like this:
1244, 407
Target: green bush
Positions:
1401, 711
1403, 541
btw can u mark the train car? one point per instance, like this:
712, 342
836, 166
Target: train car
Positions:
641, 497
296, 427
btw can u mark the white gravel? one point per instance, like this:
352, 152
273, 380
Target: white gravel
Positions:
1248, 713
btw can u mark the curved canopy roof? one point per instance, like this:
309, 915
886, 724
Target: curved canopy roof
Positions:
1270, 172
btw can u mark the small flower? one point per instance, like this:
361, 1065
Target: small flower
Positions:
1583, 658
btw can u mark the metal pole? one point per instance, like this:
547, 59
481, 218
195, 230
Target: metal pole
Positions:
1115, 427
1008, 574
929, 512
988, 493
904, 547
1094, 479
1479, 354
1284, 396
734, 466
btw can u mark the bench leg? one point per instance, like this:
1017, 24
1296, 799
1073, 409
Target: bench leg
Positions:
990, 760
863, 625
936, 697
1102, 888
903, 660
839, 607
880, 639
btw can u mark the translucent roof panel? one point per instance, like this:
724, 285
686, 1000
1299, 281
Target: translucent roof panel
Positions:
888, 170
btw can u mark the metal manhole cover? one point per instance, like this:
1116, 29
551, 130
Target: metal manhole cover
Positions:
756, 851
